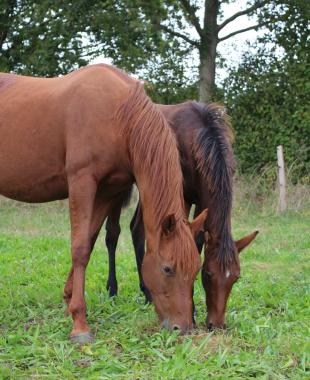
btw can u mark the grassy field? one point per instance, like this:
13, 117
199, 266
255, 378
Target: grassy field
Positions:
268, 312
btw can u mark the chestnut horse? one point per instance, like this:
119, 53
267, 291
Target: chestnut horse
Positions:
204, 140
88, 136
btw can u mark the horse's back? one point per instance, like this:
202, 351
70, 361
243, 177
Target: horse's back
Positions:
20, 89
44, 124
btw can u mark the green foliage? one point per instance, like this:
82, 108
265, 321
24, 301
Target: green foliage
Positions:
152, 38
267, 312
268, 109
167, 79
40, 37
269, 98
49, 38
137, 42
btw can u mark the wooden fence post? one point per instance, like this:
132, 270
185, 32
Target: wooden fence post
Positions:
281, 176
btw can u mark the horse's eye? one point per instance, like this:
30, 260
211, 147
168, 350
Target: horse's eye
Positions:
168, 271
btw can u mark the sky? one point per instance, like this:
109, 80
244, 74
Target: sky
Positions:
231, 49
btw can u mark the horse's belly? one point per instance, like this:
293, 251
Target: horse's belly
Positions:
32, 155
35, 189
32, 176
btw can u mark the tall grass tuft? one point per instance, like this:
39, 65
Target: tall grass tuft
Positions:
259, 192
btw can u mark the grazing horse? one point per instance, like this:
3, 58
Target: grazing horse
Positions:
204, 140
88, 136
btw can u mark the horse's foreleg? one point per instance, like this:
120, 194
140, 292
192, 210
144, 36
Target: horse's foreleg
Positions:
69, 283
138, 239
112, 233
68, 290
199, 244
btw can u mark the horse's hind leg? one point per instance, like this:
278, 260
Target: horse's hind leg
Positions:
86, 217
112, 233
138, 239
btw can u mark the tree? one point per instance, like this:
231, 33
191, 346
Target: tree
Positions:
51, 37
173, 19
151, 26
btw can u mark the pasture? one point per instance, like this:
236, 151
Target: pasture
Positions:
268, 311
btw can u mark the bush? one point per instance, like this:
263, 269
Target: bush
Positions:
271, 106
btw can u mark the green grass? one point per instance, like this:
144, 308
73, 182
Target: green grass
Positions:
268, 312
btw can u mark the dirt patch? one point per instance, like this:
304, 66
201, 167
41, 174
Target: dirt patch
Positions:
29, 323
82, 363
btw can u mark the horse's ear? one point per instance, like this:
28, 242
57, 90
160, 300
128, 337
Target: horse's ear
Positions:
198, 223
244, 242
168, 225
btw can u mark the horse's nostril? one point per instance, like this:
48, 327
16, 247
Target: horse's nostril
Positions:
176, 327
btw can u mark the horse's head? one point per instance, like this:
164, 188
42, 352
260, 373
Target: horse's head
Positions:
218, 282
170, 272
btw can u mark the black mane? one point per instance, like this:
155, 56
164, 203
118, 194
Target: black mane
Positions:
215, 162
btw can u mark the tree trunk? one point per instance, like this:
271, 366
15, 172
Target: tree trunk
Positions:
207, 52
5, 21
207, 55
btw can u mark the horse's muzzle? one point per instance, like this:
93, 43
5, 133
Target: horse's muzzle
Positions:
174, 327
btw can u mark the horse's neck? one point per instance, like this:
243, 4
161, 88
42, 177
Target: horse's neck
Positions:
154, 210
151, 227
148, 202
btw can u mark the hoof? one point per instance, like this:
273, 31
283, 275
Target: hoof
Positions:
148, 297
112, 289
82, 338
218, 328
147, 301
112, 292
194, 322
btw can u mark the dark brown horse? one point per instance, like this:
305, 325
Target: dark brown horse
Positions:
88, 136
204, 139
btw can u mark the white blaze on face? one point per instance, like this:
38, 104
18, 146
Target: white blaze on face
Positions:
227, 274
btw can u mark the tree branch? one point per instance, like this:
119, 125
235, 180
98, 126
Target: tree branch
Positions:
259, 4
180, 35
253, 27
192, 16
